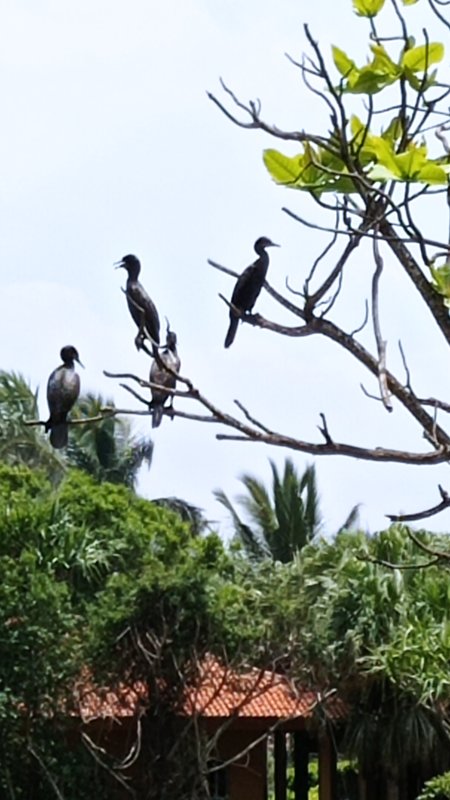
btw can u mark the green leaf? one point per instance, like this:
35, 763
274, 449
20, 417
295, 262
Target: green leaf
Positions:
441, 281
342, 62
382, 62
373, 77
300, 171
368, 81
368, 8
381, 173
411, 162
411, 165
432, 174
418, 59
409, 2
382, 153
283, 169
357, 128
305, 171
393, 131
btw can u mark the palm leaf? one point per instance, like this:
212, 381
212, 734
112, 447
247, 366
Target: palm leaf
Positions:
253, 545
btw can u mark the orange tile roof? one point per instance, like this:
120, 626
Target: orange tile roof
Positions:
219, 692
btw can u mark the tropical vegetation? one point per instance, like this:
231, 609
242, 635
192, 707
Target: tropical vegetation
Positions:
280, 522
107, 449
92, 576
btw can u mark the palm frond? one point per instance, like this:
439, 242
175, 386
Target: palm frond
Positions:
108, 450
253, 545
188, 512
352, 520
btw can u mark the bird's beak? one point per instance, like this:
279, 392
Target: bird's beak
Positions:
79, 362
272, 244
118, 264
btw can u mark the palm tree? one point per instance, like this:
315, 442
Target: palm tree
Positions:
106, 449
20, 443
282, 523
188, 513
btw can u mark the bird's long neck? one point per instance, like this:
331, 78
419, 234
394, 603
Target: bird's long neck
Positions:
133, 272
262, 262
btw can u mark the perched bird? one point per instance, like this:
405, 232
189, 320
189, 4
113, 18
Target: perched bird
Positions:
248, 286
142, 308
63, 388
168, 357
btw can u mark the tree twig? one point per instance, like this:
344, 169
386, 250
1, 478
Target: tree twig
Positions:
429, 512
380, 342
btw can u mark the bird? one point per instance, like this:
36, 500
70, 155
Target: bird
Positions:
248, 286
142, 308
168, 357
63, 388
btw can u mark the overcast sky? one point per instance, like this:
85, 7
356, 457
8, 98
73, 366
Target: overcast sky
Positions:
111, 146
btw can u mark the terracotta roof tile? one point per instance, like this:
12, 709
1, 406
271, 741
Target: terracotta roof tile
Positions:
220, 692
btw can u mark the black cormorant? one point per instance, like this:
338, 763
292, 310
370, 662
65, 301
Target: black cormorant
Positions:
248, 286
63, 388
142, 308
169, 358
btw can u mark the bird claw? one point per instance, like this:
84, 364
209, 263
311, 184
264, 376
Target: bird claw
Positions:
139, 341
140, 345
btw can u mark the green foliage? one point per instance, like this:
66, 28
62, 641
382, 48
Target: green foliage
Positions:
91, 575
437, 788
370, 79
316, 170
441, 281
368, 8
20, 443
86, 572
381, 636
346, 162
282, 522
107, 450
383, 71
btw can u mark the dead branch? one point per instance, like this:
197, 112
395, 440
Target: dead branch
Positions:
45, 771
252, 419
328, 247
258, 432
369, 394
380, 342
435, 553
95, 751
145, 400
429, 512
431, 298
392, 565
148, 384
104, 414
435, 403
364, 322
313, 299
253, 110
324, 429
406, 368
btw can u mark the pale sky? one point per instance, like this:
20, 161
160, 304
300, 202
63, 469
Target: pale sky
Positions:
111, 146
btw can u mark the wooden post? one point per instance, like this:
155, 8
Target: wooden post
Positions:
280, 759
301, 759
327, 767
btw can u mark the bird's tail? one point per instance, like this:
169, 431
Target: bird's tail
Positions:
59, 435
157, 416
231, 333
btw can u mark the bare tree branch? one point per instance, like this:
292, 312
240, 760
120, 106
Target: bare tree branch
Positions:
381, 344
429, 512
